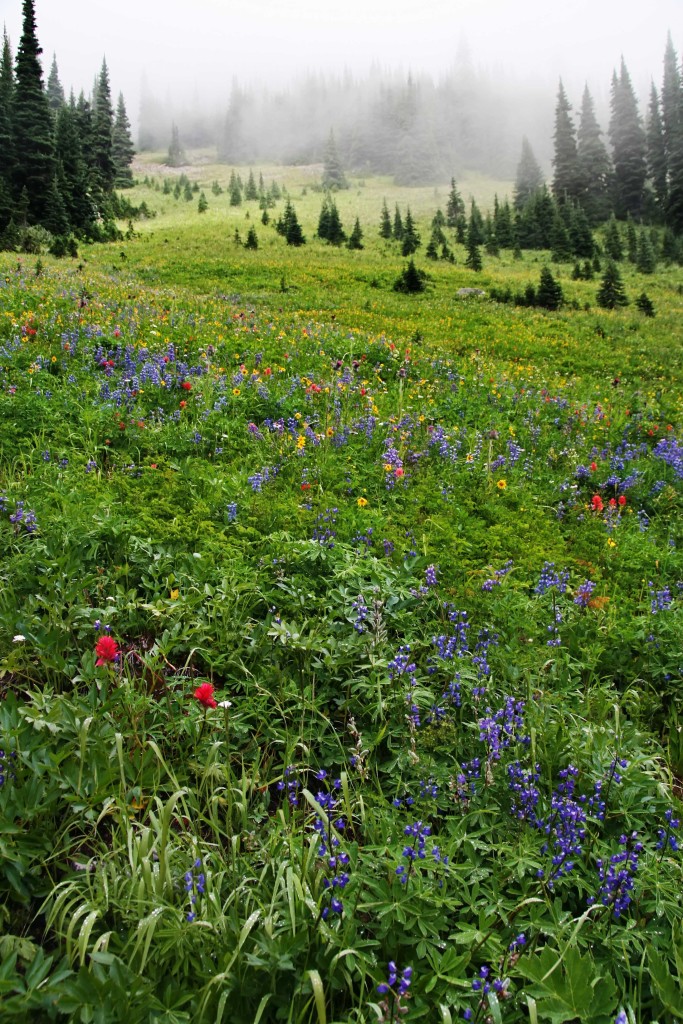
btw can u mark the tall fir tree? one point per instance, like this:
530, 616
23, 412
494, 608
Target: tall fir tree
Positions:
333, 172
55, 91
176, 154
611, 292
594, 168
528, 178
411, 238
6, 134
72, 171
32, 123
123, 150
565, 161
656, 151
384, 221
672, 126
103, 165
628, 147
455, 206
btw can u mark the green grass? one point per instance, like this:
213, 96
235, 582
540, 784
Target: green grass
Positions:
337, 505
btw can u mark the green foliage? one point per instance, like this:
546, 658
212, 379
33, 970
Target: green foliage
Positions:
274, 477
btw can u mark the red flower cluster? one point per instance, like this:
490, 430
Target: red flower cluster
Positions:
204, 694
106, 649
186, 386
596, 502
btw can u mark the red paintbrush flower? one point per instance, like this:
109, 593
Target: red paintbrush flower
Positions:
204, 694
106, 649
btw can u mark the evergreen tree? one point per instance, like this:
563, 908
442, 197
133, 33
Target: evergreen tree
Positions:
503, 224
549, 292
672, 113
252, 239
55, 92
594, 168
580, 234
644, 304
611, 293
329, 224
528, 178
123, 150
203, 204
291, 227
565, 160
72, 171
455, 207
104, 168
612, 240
385, 221
251, 191
235, 190
475, 228
411, 238
6, 134
646, 260
560, 242
333, 173
631, 240
411, 280
356, 237
397, 229
628, 147
473, 260
176, 154
432, 250
672, 125
656, 151
32, 124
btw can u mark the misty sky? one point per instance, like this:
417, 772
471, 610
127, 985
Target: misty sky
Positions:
196, 47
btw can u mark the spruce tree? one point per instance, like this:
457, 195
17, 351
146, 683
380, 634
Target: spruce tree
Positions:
549, 292
646, 260
291, 227
252, 239
32, 123
411, 239
611, 293
356, 237
628, 147
176, 154
475, 227
251, 191
411, 280
103, 166
333, 173
72, 171
528, 178
203, 204
123, 150
644, 304
473, 260
656, 151
6, 134
612, 240
397, 229
565, 159
385, 221
455, 207
672, 125
594, 167
55, 91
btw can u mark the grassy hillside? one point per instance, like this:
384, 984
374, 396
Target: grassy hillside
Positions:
339, 629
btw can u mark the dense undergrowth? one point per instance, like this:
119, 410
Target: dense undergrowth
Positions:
429, 574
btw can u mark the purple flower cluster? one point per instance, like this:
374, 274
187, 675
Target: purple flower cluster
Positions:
549, 579
617, 875
195, 883
584, 593
498, 576
290, 784
660, 600
336, 877
418, 832
665, 836
501, 728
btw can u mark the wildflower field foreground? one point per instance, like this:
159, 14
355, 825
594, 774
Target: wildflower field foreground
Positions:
340, 663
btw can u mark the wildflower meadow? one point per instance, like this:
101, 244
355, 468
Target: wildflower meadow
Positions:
340, 632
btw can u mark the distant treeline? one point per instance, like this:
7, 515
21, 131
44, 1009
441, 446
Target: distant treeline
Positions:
411, 127
60, 160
